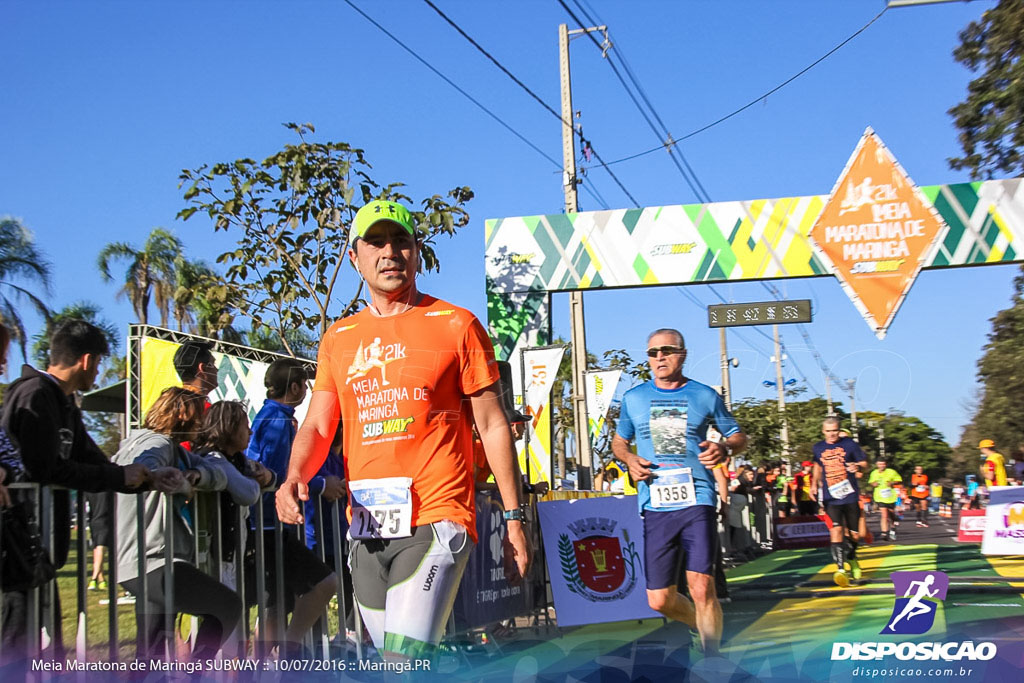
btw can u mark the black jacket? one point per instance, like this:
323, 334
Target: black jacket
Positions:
47, 426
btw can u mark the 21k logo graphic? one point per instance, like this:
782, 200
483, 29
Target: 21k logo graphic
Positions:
917, 600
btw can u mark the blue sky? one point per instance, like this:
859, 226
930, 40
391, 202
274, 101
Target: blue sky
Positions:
106, 102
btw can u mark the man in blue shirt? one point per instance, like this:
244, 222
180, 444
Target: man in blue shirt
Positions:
837, 462
668, 418
308, 582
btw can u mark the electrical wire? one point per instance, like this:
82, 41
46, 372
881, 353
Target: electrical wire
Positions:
452, 83
465, 94
583, 141
757, 99
663, 134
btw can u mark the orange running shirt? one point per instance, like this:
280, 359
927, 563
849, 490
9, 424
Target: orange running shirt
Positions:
403, 384
919, 482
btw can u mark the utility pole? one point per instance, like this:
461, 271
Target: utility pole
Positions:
828, 395
851, 386
782, 393
726, 384
579, 337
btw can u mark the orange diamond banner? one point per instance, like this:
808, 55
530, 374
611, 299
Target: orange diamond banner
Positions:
876, 230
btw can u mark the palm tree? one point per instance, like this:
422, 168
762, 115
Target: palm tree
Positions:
191, 279
20, 261
80, 310
150, 274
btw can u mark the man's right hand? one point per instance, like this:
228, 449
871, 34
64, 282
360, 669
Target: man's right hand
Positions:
135, 475
289, 509
639, 468
334, 487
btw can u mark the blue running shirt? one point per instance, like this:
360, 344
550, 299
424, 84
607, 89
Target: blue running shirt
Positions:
668, 425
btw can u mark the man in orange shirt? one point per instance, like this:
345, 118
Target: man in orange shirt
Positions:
408, 444
919, 494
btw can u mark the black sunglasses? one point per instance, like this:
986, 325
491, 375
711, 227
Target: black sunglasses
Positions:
667, 350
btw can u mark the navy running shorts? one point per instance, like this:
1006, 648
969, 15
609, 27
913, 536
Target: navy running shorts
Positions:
674, 534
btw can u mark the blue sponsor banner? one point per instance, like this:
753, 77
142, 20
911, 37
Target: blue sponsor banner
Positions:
594, 550
485, 595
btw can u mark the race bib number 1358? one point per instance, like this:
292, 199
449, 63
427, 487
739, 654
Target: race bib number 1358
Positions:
673, 488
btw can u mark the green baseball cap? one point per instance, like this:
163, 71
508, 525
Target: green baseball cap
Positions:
380, 210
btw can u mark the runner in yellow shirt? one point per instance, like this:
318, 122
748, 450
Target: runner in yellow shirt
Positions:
885, 495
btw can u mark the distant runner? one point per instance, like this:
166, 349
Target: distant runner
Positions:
919, 494
836, 462
884, 493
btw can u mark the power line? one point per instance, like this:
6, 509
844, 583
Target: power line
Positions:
773, 290
663, 134
586, 143
703, 307
469, 97
757, 99
452, 83
782, 344
695, 185
632, 96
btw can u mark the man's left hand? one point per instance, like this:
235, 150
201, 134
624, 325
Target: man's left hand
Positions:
712, 454
518, 552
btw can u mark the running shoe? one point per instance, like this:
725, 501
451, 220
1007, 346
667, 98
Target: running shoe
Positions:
923, 524
855, 570
93, 586
892, 535
841, 578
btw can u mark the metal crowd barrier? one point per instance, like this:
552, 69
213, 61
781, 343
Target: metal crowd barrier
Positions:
43, 622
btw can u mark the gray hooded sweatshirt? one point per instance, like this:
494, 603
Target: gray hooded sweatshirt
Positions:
155, 450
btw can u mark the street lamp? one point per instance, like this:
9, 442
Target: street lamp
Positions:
787, 383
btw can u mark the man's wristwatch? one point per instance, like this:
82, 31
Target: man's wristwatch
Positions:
518, 515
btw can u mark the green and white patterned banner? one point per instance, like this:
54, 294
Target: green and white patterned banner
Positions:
530, 256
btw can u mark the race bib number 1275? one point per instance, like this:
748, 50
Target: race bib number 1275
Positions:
381, 508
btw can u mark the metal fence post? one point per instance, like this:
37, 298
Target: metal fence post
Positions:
112, 625
261, 581
141, 600
281, 607
168, 571
339, 560
81, 635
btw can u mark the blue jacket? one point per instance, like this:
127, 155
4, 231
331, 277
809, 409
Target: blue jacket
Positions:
333, 465
273, 431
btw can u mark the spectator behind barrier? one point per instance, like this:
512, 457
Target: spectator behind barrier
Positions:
308, 582
173, 418
12, 469
195, 365
333, 467
44, 422
225, 434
